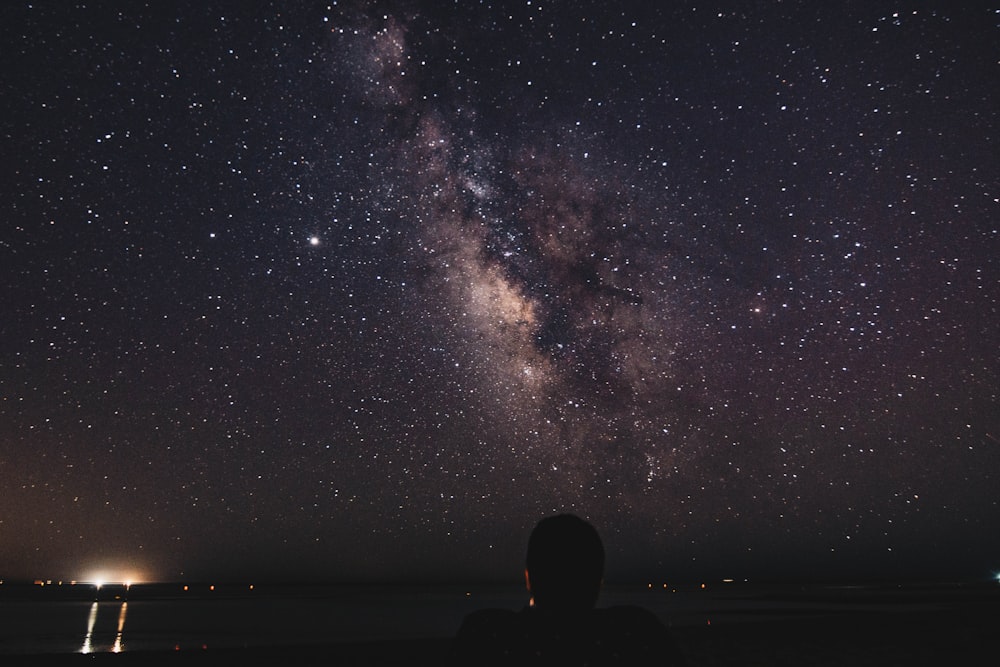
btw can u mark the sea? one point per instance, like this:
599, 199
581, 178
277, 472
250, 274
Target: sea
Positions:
79, 618
62, 618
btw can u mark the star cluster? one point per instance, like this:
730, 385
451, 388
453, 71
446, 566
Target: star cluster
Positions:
363, 291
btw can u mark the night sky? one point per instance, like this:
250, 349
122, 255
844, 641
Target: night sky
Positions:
354, 291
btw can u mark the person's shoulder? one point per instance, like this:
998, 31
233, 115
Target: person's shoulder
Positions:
619, 635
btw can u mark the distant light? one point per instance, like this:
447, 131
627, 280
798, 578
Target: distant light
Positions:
112, 576
313, 240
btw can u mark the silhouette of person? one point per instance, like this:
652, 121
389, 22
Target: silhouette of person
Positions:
564, 570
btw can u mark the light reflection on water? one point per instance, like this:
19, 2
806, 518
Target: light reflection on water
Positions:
91, 620
118, 646
88, 639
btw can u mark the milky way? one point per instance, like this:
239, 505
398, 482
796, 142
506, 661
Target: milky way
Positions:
363, 293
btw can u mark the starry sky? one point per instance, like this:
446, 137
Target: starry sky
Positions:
360, 291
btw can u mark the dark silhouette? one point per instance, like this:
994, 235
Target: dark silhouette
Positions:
564, 569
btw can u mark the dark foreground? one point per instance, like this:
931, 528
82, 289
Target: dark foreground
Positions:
852, 639
942, 633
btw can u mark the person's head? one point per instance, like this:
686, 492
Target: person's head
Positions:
565, 563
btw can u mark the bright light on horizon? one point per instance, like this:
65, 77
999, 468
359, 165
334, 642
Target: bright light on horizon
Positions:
126, 577
108, 581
